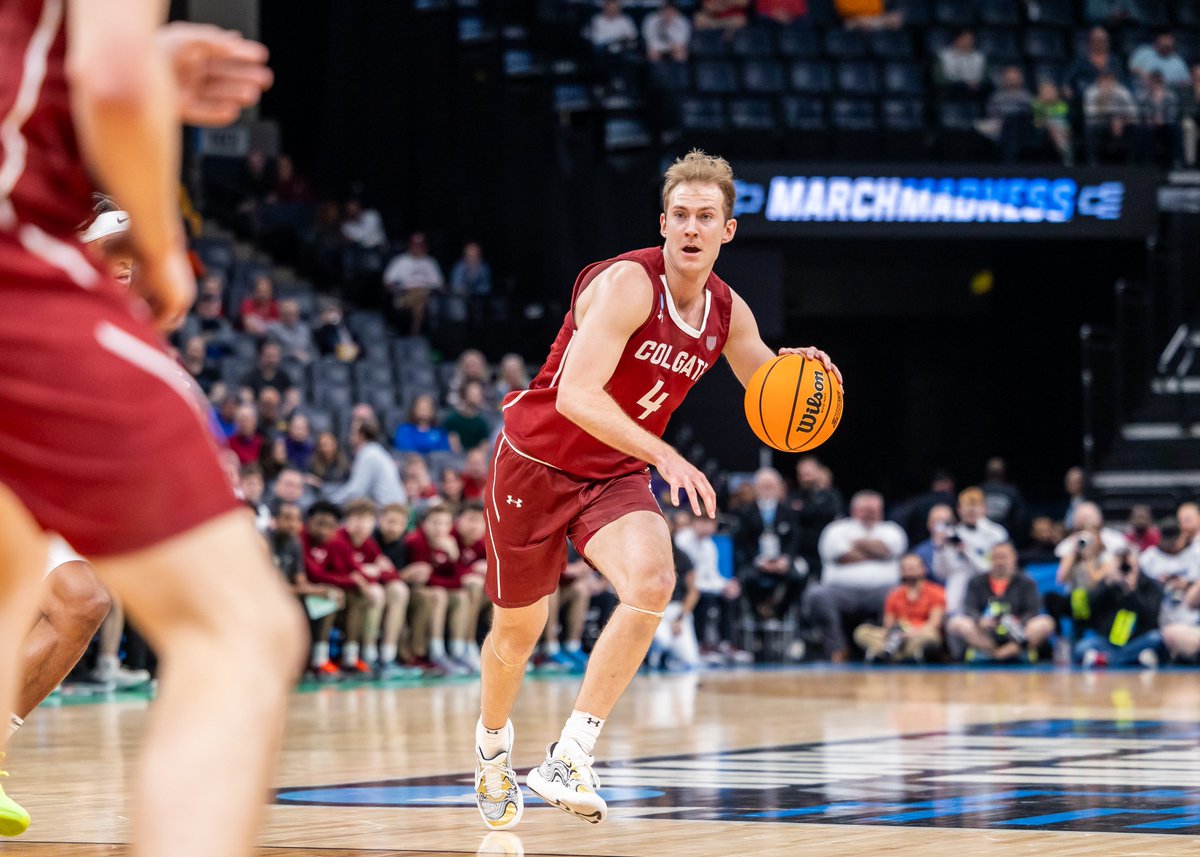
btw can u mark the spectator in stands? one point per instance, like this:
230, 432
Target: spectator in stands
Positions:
1083, 556
939, 522
1082, 74
471, 366
1188, 516
410, 278
513, 376
1052, 123
1075, 485
475, 472
1160, 57
912, 618
418, 483
913, 515
466, 425
362, 226
433, 554
962, 66
450, 489
247, 441
1011, 109
1003, 502
675, 646
783, 12
868, 15
329, 464
298, 442
978, 534
765, 547
209, 321
1043, 540
374, 474
290, 188
727, 15
1002, 618
1124, 607
289, 487
610, 29
1111, 116
320, 523
471, 276
196, 362
567, 608
227, 414
1141, 531
1176, 567
859, 568
718, 595
268, 372
420, 433
666, 34
260, 308
815, 504
470, 529
1190, 110
383, 588
333, 337
1161, 134
293, 335
253, 486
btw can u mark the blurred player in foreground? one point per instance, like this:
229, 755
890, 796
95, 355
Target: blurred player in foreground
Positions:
101, 437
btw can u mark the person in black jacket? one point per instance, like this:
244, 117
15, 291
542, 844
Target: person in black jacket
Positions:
1002, 617
765, 547
1123, 628
816, 503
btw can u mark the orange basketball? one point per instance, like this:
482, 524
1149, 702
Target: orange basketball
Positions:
793, 404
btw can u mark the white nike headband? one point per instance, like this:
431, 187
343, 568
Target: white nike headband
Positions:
106, 225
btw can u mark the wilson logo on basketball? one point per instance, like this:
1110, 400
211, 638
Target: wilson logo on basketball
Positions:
813, 404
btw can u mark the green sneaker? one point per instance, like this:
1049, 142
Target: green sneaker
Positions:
14, 820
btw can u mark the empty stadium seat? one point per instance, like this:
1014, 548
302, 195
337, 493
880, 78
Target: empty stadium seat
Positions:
1044, 44
752, 42
954, 13
915, 12
707, 44
331, 372
671, 76
1050, 71
752, 114
902, 114
1054, 13
572, 97
379, 398
1188, 45
1187, 13
936, 40
1150, 13
811, 77
845, 44
803, 113
857, 78
903, 78
854, 114
891, 44
331, 396
716, 77
799, 43
959, 115
379, 375
999, 46
999, 13
626, 132
703, 114
763, 76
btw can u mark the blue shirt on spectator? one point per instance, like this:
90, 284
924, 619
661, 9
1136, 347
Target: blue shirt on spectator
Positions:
411, 438
925, 551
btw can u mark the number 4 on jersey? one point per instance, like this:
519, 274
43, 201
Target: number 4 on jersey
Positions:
650, 403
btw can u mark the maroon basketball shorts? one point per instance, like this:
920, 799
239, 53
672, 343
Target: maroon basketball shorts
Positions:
103, 436
533, 508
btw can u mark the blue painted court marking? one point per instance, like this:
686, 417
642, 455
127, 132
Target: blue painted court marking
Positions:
824, 809
417, 796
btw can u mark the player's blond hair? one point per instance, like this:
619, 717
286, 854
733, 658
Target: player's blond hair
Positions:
700, 167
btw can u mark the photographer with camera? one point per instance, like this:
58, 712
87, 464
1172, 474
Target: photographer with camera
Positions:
964, 550
1002, 618
1124, 607
1082, 558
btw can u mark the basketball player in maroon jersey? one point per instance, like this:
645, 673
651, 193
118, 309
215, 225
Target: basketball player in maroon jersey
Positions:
101, 437
572, 460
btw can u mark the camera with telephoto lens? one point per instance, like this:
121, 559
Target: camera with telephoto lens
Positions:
1126, 566
1011, 628
894, 642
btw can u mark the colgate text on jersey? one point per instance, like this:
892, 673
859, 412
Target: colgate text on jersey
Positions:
659, 354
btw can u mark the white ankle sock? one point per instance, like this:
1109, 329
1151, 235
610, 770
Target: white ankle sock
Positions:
14, 723
550, 649
387, 653
582, 729
320, 654
350, 654
437, 648
573, 646
458, 648
108, 664
371, 654
493, 741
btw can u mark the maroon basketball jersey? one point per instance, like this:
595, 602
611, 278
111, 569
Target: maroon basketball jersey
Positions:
662, 361
45, 191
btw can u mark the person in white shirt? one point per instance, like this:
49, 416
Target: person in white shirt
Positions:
965, 550
961, 64
718, 593
611, 29
363, 226
411, 277
1160, 56
666, 34
860, 560
1175, 564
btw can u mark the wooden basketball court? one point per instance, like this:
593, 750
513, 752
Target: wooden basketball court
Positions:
815, 761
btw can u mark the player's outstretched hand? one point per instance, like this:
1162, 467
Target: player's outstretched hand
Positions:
679, 474
218, 72
817, 354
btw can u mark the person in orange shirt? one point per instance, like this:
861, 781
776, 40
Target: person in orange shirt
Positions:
912, 618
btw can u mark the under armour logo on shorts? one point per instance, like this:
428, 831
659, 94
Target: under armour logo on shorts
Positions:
515, 502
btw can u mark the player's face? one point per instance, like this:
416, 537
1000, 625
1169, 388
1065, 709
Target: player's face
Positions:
695, 227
